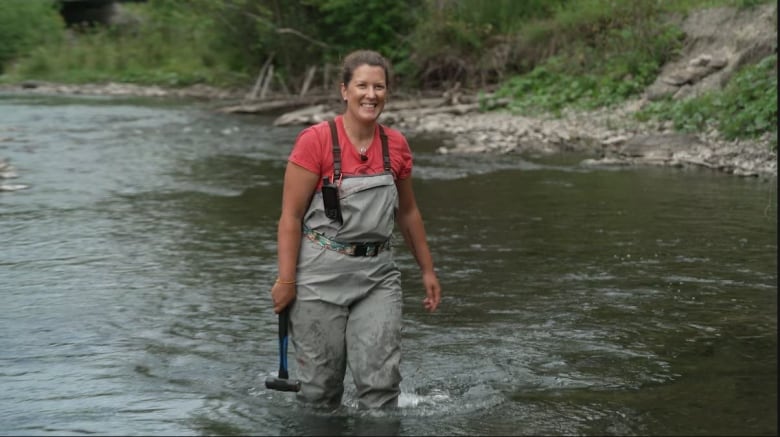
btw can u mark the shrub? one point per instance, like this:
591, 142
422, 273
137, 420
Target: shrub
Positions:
605, 52
25, 24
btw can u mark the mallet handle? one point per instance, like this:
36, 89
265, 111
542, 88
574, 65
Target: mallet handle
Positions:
284, 320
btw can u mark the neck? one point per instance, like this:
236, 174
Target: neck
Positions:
359, 133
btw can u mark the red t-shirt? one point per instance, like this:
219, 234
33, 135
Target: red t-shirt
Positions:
314, 152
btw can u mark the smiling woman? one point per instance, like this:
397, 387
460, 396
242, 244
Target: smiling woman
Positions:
337, 275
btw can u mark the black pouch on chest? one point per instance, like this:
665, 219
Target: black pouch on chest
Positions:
330, 189
330, 200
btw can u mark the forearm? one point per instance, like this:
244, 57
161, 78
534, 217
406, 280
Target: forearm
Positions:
288, 246
413, 231
410, 222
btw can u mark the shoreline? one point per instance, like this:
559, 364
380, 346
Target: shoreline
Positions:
611, 135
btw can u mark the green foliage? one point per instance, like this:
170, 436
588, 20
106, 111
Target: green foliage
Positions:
544, 90
225, 41
380, 25
466, 40
621, 48
189, 41
25, 24
499, 16
745, 108
171, 42
749, 3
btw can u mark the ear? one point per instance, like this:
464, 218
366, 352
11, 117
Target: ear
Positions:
343, 92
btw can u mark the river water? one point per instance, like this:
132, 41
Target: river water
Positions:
135, 269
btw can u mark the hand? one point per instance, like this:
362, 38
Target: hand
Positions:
432, 292
282, 295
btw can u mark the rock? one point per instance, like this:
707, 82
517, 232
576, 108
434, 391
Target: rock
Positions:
266, 106
30, 84
13, 187
656, 145
718, 41
7, 171
590, 162
615, 140
306, 116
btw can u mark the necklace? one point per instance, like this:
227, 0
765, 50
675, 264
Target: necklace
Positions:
362, 150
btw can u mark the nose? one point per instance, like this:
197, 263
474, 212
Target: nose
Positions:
371, 92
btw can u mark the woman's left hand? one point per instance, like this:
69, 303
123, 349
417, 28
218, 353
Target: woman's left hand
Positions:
432, 291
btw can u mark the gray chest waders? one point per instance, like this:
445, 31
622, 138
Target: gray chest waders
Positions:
348, 304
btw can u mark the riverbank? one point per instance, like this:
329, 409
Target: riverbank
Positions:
612, 136
718, 42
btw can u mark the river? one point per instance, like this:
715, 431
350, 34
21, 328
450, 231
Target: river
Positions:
135, 269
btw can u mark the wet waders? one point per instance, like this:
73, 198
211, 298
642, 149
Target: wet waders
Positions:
348, 306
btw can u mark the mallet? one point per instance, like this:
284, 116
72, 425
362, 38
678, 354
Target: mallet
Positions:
283, 383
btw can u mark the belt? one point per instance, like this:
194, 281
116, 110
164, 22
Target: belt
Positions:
351, 249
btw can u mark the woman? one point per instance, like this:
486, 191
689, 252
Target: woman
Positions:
336, 270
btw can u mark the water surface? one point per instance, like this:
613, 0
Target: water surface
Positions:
134, 278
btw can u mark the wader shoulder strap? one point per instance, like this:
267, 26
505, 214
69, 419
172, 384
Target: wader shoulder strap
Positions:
336, 150
385, 149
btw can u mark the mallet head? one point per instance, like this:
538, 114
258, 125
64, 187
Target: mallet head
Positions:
282, 384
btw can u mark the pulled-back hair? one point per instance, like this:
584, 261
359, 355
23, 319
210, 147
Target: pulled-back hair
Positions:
364, 57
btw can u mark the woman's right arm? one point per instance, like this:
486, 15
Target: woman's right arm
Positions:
299, 186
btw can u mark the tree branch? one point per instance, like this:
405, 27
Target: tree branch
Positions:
297, 33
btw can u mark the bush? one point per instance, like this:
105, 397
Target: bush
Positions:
170, 45
469, 40
608, 52
25, 24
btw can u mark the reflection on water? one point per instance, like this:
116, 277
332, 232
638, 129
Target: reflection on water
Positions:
135, 275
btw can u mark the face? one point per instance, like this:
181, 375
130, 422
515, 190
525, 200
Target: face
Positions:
365, 94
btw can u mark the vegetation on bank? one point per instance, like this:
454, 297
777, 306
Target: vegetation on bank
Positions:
545, 55
745, 108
